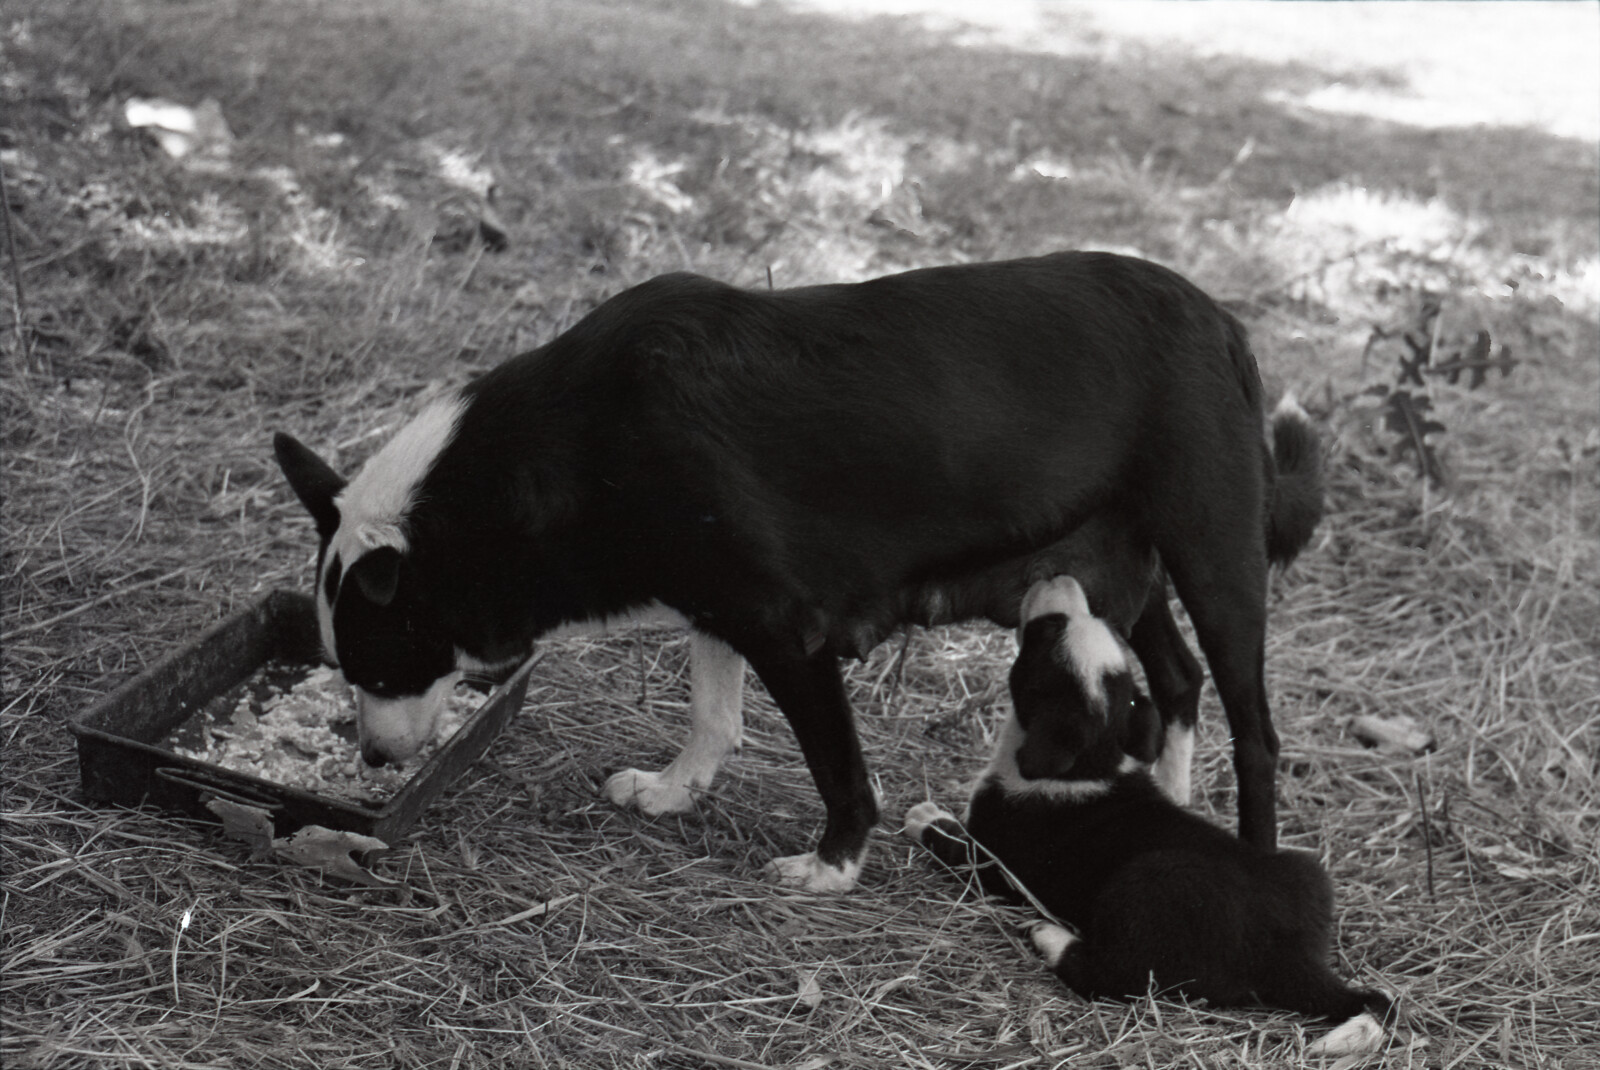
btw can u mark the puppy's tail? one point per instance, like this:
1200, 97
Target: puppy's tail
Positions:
1296, 505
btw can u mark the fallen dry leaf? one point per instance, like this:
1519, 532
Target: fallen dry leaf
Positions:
330, 850
252, 824
810, 991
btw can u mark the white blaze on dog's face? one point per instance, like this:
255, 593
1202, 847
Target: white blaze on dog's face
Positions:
373, 507
374, 624
393, 729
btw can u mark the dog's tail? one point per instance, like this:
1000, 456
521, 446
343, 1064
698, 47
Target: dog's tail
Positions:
1296, 503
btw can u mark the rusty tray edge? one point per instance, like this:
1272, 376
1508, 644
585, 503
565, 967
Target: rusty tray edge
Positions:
118, 767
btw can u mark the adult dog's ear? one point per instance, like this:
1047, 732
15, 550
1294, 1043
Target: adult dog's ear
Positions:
377, 574
1142, 733
313, 481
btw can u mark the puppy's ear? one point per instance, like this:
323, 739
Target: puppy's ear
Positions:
1142, 733
313, 481
377, 574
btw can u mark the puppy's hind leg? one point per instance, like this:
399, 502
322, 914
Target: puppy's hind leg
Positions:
1311, 987
1066, 956
1363, 1033
716, 716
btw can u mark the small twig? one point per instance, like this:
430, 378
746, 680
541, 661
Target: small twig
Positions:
1427, 832
222, 984
887, 682
900, 661
177, 938
644, 673
19, 299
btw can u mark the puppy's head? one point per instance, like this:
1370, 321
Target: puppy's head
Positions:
1072, 692
374, 614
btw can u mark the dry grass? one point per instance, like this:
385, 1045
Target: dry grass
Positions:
176, 315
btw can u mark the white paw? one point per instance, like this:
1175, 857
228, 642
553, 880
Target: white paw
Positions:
1052, 941
652, 793
1360, 1034
922, 815
1172, 769
808, 873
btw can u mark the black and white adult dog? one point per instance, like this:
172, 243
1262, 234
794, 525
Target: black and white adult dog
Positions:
796, 473
1125, 586
1162, 899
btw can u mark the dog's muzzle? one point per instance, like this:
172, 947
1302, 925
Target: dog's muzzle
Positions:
394, 729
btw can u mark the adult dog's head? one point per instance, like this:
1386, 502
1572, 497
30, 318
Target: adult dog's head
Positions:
1073, 695
379, 623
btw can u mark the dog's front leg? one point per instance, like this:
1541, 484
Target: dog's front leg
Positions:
716, 716
810, 693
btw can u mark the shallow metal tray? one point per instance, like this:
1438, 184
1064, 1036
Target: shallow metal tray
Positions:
122, 761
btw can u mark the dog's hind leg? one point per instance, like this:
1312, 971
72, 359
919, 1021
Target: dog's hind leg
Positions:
716, 700
1175, 679
1207, 512
810, 693
1225, 593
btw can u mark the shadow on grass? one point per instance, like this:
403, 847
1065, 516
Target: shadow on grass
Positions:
542, 88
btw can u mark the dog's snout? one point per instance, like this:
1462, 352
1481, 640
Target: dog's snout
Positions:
373, 756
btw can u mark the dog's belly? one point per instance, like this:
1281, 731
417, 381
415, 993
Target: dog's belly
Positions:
1115, 567
650, 615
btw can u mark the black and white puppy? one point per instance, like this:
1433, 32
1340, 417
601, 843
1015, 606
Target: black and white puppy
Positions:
1162, 900
795, 474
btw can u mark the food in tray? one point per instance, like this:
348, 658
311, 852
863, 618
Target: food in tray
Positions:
303, 734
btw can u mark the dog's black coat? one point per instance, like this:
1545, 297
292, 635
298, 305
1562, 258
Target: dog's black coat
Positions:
801, 471
1161, 898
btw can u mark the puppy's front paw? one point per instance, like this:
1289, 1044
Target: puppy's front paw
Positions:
920, 816
808, 873
653, 793
1052, 941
